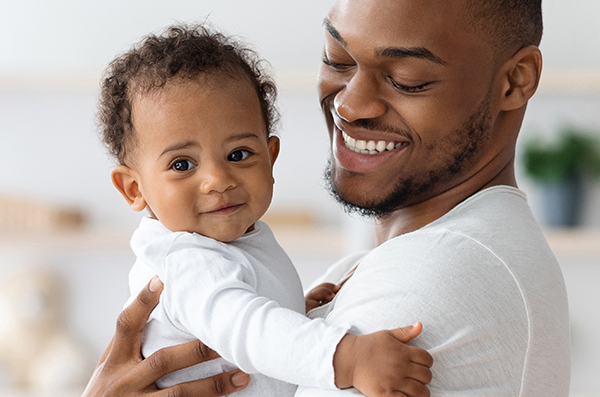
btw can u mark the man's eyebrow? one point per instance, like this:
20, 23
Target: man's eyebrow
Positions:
333, 31
412, 52
390, 52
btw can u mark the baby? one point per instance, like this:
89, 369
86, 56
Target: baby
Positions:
189, 117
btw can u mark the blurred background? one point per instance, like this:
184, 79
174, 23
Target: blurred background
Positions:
64, 230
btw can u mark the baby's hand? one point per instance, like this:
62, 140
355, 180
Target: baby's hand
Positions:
381, 364
320, 295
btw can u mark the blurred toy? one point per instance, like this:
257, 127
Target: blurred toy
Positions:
36, 348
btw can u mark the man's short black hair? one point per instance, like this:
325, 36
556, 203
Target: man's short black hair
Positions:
508, 25
181, 53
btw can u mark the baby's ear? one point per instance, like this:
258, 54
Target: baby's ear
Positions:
126, 181
273, 148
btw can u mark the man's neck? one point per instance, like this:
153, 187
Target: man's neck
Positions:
416, 216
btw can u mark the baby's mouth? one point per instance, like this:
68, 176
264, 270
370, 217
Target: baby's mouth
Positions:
370, 147
225, 209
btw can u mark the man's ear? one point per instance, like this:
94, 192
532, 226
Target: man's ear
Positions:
273, 149
126, 181
521, 76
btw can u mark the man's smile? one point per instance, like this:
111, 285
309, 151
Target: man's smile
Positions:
370, 147
368, 140
350, 155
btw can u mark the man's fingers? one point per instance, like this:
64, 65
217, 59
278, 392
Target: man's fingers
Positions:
218, 385
131, 321
173, 358
106, 352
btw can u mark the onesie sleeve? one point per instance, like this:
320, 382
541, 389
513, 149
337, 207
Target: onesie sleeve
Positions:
212, 296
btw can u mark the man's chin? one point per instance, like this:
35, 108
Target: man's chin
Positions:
405, 193
351, 205
352, 208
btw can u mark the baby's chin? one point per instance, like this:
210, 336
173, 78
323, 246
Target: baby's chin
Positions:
221, 231
225, 236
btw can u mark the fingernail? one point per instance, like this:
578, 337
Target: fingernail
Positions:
155, 284
240, 379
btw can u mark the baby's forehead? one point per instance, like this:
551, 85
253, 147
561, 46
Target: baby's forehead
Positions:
145, 86
151, 98
185, 99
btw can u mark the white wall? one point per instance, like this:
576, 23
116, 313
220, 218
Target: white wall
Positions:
72, 35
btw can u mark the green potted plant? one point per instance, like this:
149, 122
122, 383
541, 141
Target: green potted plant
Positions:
560, 167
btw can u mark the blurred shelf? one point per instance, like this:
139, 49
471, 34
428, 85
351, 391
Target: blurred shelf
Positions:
72, 241
310, 240
570, 80
581, 243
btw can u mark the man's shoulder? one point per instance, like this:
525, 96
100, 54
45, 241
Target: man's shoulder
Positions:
496, 225
441, 263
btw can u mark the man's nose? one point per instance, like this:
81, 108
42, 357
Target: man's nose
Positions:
360, 99
216, 179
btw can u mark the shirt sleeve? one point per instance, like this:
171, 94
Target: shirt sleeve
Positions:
213, 297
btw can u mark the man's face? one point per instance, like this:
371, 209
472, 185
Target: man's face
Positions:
407, 95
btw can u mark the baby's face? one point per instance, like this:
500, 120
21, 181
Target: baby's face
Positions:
203, 157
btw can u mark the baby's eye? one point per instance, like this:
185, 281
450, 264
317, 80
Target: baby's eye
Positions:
238, 155
183, 165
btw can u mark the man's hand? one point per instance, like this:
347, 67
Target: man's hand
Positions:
320, 295
381, 364
122, 372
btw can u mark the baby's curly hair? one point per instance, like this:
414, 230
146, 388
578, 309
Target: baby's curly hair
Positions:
181, 53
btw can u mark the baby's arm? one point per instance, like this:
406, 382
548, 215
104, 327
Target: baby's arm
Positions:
381, 364
223, 310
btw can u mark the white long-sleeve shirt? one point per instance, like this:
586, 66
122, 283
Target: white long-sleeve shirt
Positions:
243, 299
486, 287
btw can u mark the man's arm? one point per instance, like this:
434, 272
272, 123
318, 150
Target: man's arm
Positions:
122, 372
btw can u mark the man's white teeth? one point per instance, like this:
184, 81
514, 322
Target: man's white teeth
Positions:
368, 147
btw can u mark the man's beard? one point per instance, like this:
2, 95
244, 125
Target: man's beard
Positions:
407, 191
